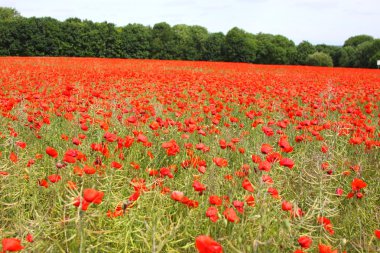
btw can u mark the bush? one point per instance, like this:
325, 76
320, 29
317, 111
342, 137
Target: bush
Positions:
319, 59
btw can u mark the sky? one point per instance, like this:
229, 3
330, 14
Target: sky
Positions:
317, 21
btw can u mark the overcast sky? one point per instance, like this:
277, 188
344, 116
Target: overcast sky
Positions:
318, 21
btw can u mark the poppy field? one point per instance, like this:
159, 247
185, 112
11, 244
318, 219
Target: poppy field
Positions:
115, 155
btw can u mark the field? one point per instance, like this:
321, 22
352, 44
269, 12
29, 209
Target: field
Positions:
101, 155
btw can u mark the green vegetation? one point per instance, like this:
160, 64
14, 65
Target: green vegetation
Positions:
319, 59
46, 36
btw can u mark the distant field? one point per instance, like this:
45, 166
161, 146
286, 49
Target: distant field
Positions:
102, 155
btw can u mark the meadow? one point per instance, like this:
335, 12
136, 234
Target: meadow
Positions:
115, 155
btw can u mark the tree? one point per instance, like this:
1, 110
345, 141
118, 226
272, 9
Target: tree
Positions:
275, 49
304, 49
7, 13
355, 41
33, 36
333, 51
184, 48
44, 37
365, 52
239, 46
163, 42
199, 37
319, 59
347, 56
375, 55
189, 42
372, 63
213, 47
135, 41
110, 39
16, 36
69, 37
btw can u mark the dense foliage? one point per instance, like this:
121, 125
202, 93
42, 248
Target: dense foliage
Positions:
46, 36
319, 59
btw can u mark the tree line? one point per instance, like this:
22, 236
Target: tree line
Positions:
20, 36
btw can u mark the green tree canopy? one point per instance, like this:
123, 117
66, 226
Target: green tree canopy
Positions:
135, 41
34, 36
304, 49
7, 13
333, 51
355, 41
347, 56
319, 59
275, 49
366, 53
163, 41
240, 46
213, 47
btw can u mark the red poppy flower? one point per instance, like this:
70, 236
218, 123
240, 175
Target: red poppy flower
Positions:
265, 166
172, 148
89, 170
305, 241
206, 244
286, 206
247, 185
21, 144
215, 200
29, 238
326, 249
267, 131
198, 186
4, 173
212, 213
13, 157
134, 196
51, 152
110, 137
43, 183
266, 148
287, 162
339, 191
267, 179
220, 162
201, 169
165, 172
93, 196
326, 224
377, 233
177, 195
250, 200
129, 141
358, 184
154, 125
54, 178
273, 191
284, 144
142, 138
11, 244
230, 215
256, 158
273, 157
238, 205
116, 165
78, 201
